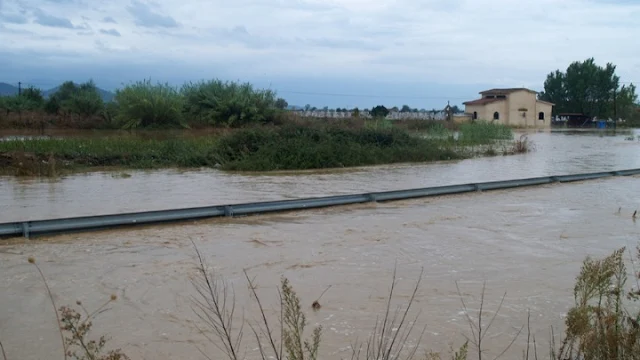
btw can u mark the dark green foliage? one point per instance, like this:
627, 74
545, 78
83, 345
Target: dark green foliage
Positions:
379, 111
125, 152
299, 147
281, 104
145, 105
230, 104
30, 99
589, 89
19, 104
34, 96
83, 100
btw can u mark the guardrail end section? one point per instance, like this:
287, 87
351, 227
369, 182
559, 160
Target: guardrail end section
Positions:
25, 229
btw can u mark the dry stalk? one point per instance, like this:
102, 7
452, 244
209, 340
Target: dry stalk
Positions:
216, 308
477, 330
53, 303
4, 354
266, 331
381, 345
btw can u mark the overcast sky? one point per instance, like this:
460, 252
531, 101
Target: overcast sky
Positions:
321, 52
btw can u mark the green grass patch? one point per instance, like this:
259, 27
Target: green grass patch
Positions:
262, 148
294, 147
25, 157
482, 132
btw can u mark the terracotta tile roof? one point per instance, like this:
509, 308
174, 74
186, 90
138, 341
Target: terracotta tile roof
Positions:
506, 90
482, 101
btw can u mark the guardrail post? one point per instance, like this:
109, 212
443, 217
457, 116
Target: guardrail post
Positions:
228, 211
25, 229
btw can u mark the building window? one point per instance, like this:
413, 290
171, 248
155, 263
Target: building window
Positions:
475, 115
541, 116
496, 116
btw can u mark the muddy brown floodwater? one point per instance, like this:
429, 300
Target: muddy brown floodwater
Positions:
527, 242
556, 153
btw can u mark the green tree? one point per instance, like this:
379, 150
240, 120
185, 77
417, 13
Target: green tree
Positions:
355, 112
379, 111
587, 88
281, 104
34, 95
30, 99
69, 98
626, 102
405, 108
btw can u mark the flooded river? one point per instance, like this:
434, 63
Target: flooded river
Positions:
528, 243
556, 153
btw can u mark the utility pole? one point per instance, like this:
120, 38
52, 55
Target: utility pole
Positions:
19, 88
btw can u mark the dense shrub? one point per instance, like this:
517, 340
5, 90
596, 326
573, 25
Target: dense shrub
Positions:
216, 102
303, 147
83, 100
145, 105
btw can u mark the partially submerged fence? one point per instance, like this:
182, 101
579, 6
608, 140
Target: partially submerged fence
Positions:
88, 223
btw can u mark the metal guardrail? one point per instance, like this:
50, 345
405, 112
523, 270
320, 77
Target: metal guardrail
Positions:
86, 223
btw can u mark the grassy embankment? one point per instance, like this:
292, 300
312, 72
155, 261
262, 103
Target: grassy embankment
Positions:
264, 148
259, 135
602, 324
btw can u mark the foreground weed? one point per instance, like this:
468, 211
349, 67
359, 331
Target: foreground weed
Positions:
74, 329
391, 333
478, 331
601, 325
215, 305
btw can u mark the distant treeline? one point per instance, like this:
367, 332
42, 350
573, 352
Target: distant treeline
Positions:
143, 104
146, 105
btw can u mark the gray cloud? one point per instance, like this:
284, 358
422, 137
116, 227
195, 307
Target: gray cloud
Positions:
45, 19
112, 32
14, 19
240, 35
109, 19
146, 17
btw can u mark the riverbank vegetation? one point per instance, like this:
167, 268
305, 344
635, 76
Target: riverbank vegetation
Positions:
290, 146
143, 105
602, 324
259, 134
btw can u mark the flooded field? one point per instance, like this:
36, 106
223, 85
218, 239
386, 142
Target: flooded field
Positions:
556, 153
527, 242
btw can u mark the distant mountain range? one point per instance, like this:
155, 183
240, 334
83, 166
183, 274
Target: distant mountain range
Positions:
10, 90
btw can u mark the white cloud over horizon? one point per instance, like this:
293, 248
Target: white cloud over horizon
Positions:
294, 44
